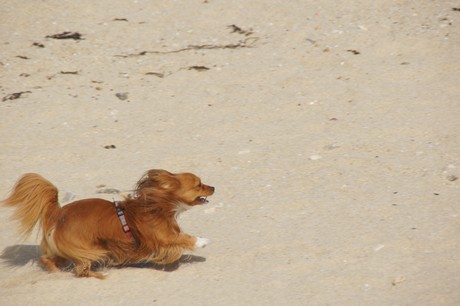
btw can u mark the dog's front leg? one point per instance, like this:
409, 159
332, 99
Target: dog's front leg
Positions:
190, 242
201, 242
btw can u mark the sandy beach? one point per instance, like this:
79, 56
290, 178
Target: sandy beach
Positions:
330, 130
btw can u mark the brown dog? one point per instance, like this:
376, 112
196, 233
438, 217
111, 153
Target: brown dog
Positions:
142, 228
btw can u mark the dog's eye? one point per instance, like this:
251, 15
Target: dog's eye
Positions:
199, 186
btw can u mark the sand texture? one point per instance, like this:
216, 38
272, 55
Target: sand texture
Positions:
330, 129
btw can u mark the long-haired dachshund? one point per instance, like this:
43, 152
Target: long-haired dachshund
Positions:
141, 228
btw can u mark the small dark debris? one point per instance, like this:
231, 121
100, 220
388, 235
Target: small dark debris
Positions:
110, 147
108, 190
436, 194
120, 19
452, 178
39, 45
15, 95
122, 95
22, 57
237, 29
331, 146
333, 119
25, 75
398, 280
66, 35
68, 72
355, 52
157, 74
456, 9
198, 68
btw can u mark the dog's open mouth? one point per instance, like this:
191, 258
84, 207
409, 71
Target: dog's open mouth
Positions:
201, 200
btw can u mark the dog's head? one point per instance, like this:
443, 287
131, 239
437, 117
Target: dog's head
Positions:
185, 188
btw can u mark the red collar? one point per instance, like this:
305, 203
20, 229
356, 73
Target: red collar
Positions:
124, 225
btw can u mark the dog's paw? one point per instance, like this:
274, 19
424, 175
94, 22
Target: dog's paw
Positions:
201, 242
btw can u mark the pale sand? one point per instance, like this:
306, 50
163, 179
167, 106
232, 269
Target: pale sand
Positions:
329, 128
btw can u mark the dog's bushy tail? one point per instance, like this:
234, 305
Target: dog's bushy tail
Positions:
34, 199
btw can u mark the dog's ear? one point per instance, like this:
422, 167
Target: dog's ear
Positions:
157, 172
163, 179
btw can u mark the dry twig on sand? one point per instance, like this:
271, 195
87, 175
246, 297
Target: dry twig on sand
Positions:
246, 43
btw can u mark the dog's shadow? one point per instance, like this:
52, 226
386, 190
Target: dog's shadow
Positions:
21, 254
185, 259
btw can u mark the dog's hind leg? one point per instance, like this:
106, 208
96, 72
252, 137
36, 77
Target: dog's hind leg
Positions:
83, 269
52, 263
49, 259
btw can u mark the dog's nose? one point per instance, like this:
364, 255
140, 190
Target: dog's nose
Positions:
212, 188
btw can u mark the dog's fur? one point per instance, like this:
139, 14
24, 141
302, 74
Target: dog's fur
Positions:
89, 231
